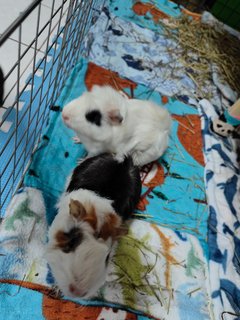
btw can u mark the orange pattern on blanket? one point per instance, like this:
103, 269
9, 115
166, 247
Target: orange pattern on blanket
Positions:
142, 204
194, 15
152, 175
190, 135
167, 245
142, 9
59, 309
96, 75
56, 309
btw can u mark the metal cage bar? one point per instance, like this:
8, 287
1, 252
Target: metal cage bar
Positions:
29, 97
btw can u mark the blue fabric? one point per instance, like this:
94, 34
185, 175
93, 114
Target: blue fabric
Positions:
222, 183
20, 304
57, 154
124, 10
128, 52
230, 119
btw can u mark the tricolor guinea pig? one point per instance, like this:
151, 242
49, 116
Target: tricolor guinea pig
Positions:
105, 120
101, 193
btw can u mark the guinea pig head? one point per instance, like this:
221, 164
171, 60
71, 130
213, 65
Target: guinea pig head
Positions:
94, 113
78, 257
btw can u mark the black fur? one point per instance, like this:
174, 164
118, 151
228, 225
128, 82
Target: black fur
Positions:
1, 87
94, 116
110, 179
71, 240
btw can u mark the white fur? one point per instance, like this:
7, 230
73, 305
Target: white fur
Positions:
85, 268
143, 133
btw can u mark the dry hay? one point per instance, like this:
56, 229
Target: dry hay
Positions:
200, 46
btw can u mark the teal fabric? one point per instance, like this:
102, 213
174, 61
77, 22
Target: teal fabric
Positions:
18, 303
57, 154
231, 120
124, 10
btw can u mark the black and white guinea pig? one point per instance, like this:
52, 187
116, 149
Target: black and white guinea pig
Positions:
105, 120
101, 193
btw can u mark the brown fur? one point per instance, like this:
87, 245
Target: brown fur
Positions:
84, 212
91, 218
112, 227
77, 210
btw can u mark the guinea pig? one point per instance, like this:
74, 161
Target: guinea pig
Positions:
105, 120
101, 193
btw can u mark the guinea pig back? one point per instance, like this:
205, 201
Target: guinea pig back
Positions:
111, 179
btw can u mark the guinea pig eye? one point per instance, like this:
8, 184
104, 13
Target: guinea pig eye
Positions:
66, 249
69, 241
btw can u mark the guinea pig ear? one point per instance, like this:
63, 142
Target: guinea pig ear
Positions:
77, 210
112, 227
114, 117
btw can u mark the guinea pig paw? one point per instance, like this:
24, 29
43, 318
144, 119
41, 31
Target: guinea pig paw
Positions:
55, 292
76, 140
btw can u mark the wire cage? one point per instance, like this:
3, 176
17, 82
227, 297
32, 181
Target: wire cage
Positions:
41, 62
42, 59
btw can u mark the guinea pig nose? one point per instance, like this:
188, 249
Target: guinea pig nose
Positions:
75, 291
72, 288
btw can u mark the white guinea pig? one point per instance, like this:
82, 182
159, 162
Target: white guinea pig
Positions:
105, 120
101, 193
76, 254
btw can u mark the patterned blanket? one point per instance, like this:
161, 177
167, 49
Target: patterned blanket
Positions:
148, 56
222, 183
140, 284
180, 259
152, 271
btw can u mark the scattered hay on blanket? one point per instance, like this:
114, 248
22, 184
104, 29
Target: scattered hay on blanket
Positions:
200, 46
